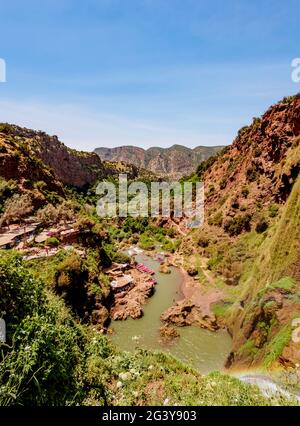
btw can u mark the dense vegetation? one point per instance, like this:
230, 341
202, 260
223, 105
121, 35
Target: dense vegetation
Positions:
50, 358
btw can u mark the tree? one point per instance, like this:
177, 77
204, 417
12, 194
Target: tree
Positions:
16, 207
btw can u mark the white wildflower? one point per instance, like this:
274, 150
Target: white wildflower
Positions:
125, 376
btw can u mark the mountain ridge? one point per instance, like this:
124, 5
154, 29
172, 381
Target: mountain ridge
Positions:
176, 160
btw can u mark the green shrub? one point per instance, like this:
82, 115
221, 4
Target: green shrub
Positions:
46, 358
257, 152
20, 296
285, 283
235, 203
203, 241
146, 242
170, 245
17, 207
40, 185
245, 191
121, 257
256, 122
238, 224
242, 131
220, 309
216, 219
275, 347
214, 261
7, 190
251, 174
273, 210
5, 128
52, 242
261, 226
134, 225
248, 349
223, 183
211, 190
205, 165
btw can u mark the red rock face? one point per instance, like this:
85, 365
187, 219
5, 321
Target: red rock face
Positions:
14, 165
257, 160
257, 170
70, 166
22, 148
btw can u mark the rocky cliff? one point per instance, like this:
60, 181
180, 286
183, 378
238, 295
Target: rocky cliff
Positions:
37, 156
258, 169
251, 236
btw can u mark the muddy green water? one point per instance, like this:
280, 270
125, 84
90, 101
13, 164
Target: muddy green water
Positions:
203, 349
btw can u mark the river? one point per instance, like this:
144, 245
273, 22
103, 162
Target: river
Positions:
202, 349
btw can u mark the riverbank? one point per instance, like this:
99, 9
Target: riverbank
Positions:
201, 348
194, 306
191, 307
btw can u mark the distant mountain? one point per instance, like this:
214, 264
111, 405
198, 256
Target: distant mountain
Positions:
176, 161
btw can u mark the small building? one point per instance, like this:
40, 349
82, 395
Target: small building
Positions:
118, 269
7, 241
123, 283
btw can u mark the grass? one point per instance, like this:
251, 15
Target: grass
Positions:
286, 283
269, 261
220, 309
277, 344
274, 254
147, 378
248, 349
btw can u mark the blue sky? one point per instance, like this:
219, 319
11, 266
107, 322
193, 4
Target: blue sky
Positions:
145, 72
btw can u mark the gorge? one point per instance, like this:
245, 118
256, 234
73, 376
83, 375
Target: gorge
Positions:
72, 272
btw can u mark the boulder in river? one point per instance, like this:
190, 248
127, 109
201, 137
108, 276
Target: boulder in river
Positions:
167, 332
164, 268
186, 312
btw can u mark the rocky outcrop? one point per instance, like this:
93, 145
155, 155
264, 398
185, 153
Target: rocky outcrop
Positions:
72, 167
168, 333
129, 303
35, 155
19, 165
186, 312
164, 268
290, 356
176, 161
258, 169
